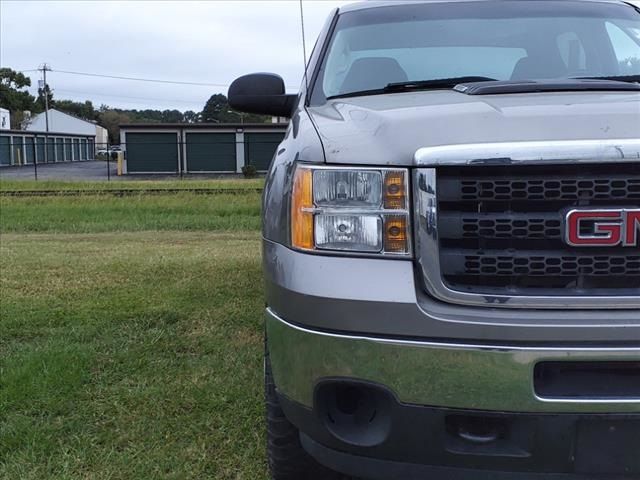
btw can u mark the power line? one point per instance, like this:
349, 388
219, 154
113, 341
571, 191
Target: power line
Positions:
151, 80
117, 77
137, 79
97, 94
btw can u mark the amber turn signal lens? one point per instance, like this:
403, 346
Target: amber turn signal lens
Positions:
302, 220
394, 190
396, 236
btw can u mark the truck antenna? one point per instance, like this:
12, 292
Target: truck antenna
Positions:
304, 46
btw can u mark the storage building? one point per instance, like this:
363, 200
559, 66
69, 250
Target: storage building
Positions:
199, 148
20, 147
61, 122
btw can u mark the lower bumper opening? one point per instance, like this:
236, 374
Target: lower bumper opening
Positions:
382, 469
361, 429
588, 380
354, 412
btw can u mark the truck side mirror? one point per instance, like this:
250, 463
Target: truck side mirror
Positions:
261, 93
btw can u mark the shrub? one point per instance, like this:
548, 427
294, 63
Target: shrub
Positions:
249, 171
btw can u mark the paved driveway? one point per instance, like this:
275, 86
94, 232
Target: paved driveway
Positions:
94, 170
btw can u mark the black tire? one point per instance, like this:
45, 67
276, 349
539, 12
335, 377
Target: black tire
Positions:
287, 459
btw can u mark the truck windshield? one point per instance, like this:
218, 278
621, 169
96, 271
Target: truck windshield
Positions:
507, 40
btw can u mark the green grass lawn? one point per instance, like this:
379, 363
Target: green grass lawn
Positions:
105, 213
233, 183
131, 337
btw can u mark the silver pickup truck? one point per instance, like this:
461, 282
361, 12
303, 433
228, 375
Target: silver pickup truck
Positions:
452, 244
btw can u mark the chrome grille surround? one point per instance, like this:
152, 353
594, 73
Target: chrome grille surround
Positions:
507, 154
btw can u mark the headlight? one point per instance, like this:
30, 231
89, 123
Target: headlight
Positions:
360, 210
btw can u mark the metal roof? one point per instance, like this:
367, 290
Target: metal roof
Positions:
41, 133
210, 126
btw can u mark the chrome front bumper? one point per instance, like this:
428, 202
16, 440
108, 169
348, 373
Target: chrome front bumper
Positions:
474, 377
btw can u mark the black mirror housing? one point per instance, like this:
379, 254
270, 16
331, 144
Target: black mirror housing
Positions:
263, 94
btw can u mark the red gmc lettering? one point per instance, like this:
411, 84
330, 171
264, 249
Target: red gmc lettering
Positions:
632, 222
609, 228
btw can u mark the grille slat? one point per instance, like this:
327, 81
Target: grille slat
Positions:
536, 225
502, 227
535, 263
541, 188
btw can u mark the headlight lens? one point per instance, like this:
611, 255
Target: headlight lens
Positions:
347, 188
350, 210
361, 233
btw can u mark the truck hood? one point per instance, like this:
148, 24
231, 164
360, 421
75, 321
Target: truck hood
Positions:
389, 129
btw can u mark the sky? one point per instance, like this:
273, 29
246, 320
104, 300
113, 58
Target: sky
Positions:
209, 41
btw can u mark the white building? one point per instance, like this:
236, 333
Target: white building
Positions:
60, 122
102, 137
5, 119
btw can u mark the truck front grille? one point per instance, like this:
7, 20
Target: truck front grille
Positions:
538, 188
501, 229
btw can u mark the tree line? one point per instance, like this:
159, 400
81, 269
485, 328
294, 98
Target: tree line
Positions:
15, 97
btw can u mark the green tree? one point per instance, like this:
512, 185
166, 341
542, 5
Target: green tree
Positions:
14, 96
171, 116
111, 120
191, 117
40, 101
144, 116
217, 110
79, 109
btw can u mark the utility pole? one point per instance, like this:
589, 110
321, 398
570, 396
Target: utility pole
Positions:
44, 68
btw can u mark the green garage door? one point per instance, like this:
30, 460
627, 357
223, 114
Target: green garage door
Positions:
76, 149
51, 150
40, 149
211, 152
92, 150
259, 148
60, 149
29, 149
18, 152
152, 152
5, 151
67, 150
83, 149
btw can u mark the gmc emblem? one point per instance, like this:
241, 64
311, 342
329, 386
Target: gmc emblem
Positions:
603, 228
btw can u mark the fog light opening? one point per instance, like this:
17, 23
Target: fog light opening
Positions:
348, 399
357, 414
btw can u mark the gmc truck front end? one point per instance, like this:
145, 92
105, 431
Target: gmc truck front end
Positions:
452, 244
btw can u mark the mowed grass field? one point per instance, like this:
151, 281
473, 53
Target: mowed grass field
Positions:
131, 337
218, 184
